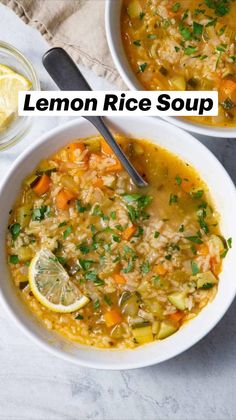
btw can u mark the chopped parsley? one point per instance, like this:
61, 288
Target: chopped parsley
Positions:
220, 7
178, 180
137, 43
113, 215
15, 229
207, 286
116, 238
194, 267
41, 213
80, 207
145, 267
67, 232
142, 67
83, 247
79, 317
85, 264
197, 28
190, 50
175, 8
108, 300
197, 194
173, 199
96, 304
14, 259
181, 228
194, 239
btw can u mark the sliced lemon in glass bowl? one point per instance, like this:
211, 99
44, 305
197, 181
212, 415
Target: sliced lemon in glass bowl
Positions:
11, 83
52, 286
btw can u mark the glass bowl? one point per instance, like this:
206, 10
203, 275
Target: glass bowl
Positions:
13, 58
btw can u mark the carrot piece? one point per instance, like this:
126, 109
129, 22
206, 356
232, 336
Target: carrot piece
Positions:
119, 279
176, 316
105, 148
128, 233
63, 198
98, 183
215, 266
186, 186
42, 185
160, 269
117, 167
228, 90
202, 249
112, 317
76, 146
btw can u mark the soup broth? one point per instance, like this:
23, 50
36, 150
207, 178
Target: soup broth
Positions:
145, 262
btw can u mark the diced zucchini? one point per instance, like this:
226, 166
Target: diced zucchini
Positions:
24, 253
93, 145
205, 279
69, 183
31, 180
143, 335
178, 300
109, 180
218, 243
155, 307
23, 215
130, 306
134, 9
155, 327
45, 168
178, 82
166, 329
118, 331
140, 323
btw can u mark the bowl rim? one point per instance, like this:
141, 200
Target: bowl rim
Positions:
43, 140
133, 84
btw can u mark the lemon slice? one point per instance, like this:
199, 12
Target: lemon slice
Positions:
51, 285
10, 84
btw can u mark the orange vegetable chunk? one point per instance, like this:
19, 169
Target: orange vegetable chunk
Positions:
128, 233
63, 198
112, 317
42, 185
119, 279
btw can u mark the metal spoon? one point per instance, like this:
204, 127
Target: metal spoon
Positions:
67, 76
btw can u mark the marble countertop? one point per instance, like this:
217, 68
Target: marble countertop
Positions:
199, 384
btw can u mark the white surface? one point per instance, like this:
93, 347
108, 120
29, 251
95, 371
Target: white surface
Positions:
199, 384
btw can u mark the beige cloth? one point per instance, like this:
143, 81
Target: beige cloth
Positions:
76, 25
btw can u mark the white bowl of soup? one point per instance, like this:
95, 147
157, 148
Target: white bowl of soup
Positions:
177, 46
103, 274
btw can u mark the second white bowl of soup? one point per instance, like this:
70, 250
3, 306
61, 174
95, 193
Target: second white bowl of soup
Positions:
140, 275
178, 46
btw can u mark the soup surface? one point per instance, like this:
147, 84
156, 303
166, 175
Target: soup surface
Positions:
184, 45
130, 266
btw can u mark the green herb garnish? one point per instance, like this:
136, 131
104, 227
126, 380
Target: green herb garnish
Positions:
15, 229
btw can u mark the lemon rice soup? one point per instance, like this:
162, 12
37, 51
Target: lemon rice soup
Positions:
184, 45
105, 264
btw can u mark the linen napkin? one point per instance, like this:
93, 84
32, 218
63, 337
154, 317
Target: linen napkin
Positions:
76, 25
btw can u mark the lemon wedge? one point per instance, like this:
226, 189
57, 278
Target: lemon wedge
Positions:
51, 285
10, 84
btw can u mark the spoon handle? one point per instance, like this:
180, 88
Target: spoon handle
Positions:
67, 76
